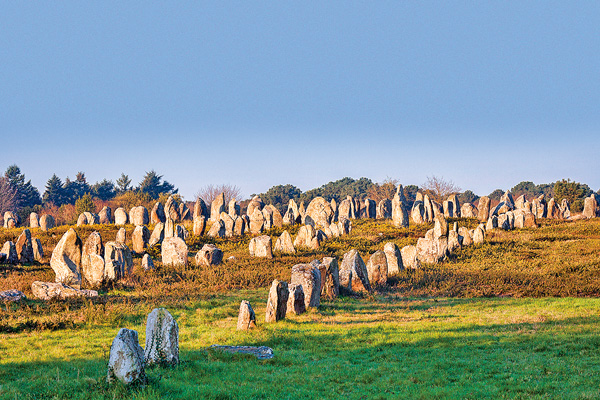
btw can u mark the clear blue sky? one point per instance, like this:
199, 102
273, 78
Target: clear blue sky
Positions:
255, 94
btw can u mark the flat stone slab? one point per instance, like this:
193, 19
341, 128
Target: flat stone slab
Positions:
12, 295
262, 352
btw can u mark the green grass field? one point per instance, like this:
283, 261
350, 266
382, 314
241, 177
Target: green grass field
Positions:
516, 317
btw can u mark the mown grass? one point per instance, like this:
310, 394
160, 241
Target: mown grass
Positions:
515, 317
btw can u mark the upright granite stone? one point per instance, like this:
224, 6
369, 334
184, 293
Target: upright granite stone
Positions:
330, 278
217, 207
147, 263
377, 268
255, 203
139, 216
121, 236
158, 234
296, 303
353, 273
34, 220
162, 338
257, 221
464, 233
199, 225
217, 229
440, 228
478, 235
239, 227
126, 360
174, 251
309, 277
172, 210
47, 222
200, 208
140, 239
66, 259
432, 250
453, 241
590, 207
10, 252
261, 246
284, 243
370, 208
105, 215
92, 268
229, 224
320, 211
468, 210
277, 301
121, 217
484, 209
24, 247
384, 209
246, 317
400, 213
393, 258
118, 261
184, 213
209, 255
38, 251
233, 209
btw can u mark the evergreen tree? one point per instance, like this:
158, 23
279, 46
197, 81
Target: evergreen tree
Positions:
123, 184
84, 204
574, 192
55, 192
152, 185
104, 190
26, 194
280, 195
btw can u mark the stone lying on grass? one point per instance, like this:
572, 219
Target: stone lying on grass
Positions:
126, 361
12, 295
162, 338
246, 317
51, 290
262, 352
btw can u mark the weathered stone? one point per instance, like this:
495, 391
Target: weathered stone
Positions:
393, 258
261, 246
400, 213
370, 208
12, 295
121, 236
82, 220
11, 219
260, 352
484, 208
268, 218
345, 209
296, 303
309, 277
147, 262
384, 209
171, 210
181, 232
478, 235
200, 209
448, 209
217, 207
590, 207
118, 261
538, 207
92, 218
105, 215
239, 227
255, 203
440, 228
174, 251
217, 229
199, 225
34, 220
162, 338
345, 226
305, 236
335, 230
184, 213
464, 233
453, 241
330, 278
47, 222
417, 213
140, 239
293, 211
209, 255
492, 223
565, 209
530, 220
453, 198
66, 259
92, 269
320, 211
138, 216
432, 250
121, 217
38, 251
277, 301
276, 216
246, 317
257, 221
51, 290
229, 224
468, 210
377, 268
503, 222
284, 243
126, 360
353, 273
10, 253
234, 209
158, 234
24, 248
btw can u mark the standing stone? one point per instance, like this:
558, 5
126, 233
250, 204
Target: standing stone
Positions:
330, 278
284, 243
257, 221
38, 251
147, 262
539, 207
409, 257
66, 259
384, 209
261, 246
344, 226
440, 228
468, 210
400, 209
34, 220
200, 208
184, 212
432, 250
305, 236
174, 251
11, 219
121, 217
565, 209
353, 273
24, 247
309, 277
140, 239
157, 214
92, 218
464, 233
370, 208
105, 215
294, 212
138, 216
117, 261
199, 225
453, 241
590, 207
47, 222
121, 236
484, 209
478, 235
162, 338
217, 207
82, 220
393, 258
217, 229
492, 223
126, 360
246, 317
276, 216
448, 209
233, 208
345, 209
456, 205
530, 221
209, 255
377, 268
169, 227
92, 269
239, 227
158, 234
320, 211
268, 216
277, 301
229, 224
11, 253
181, 232
255, 203
296, 303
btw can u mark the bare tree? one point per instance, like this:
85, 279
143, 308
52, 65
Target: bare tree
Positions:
210, 192
439, 189
8, 196
383, 190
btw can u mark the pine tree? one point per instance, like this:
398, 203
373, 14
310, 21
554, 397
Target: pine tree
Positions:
55, 192
152, 185
26, 194
104, 190
123, 184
